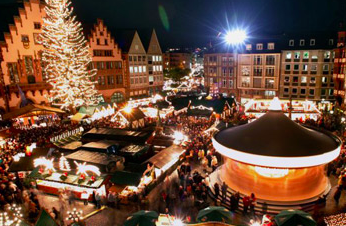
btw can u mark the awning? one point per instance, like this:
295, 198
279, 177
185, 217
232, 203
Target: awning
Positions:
32, 110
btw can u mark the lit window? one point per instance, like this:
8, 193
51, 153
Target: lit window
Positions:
303, 79
287, 79
325, 67
327, 55
324, 79
301, 42
270, 45
131, 69
248, 46
288, 55
135, 69
160, 58
160, 67
305, 67
297, 55
314, 57
259, 46
306, 55
140, 69
312, 80
313, 67
144, 68
291, 42
312, 42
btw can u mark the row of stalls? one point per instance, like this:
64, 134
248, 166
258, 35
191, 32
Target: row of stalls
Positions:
107, 159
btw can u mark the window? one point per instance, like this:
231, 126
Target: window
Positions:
287, 67
312, 42
325, 67
312, 80
314, 57
136, 47
257, 71
327, 55
295, 79
303, 91
224, 71
257, 60
231, 71
144, 68
98, 41
294, 90
331, 42
134, 58
13, 71
101, 33
296, 67
131, 69
119, 79
291, 42
248, 46
296, 55
323, 92
139, 58
230, 83
270, 71
28, 65
224, 83
140, 69
25, 38
130, 58
135, 69
314, 67
324, 80
132, 81
259, 46
288, 55
160, 58
287, 79
270, 46
106, 41
301, 42
305, 67
270, 60
306, 55
160, 67
312, 92
37, 25
303, 79
117, 97
286, 90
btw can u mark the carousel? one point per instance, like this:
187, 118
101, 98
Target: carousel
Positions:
275, 158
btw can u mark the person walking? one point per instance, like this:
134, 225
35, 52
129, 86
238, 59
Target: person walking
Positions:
217, 190
224, 189
98, 200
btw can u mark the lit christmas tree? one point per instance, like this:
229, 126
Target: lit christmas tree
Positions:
63, 164
66, 57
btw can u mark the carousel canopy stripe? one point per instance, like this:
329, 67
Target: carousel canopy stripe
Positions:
165, 156
45, 219
126, 178
275, 135
33, 109
93, 157
135, 114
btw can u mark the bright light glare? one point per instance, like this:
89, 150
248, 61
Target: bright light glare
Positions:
128, 109
235, 37
255, 224
177, 222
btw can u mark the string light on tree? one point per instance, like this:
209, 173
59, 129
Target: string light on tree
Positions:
63, 164
66, 57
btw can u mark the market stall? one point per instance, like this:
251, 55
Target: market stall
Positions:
133, 152
104, 146
34, 115
130, 118
84, 179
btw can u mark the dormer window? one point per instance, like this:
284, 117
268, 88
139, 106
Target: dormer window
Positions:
248, 47
312, 42
270, 46
301, 42
291, 42
259, 46
331, 42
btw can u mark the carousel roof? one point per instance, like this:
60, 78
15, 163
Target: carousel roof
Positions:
274, 140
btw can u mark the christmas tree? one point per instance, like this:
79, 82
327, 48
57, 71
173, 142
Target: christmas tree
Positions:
63, 164
66, 57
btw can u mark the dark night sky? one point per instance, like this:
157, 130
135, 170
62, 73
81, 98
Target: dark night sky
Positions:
195, 22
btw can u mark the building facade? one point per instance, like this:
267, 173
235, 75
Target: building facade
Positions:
340, 68
107, 59
307, 69
220, 73
177, 59
258, 71
21, 67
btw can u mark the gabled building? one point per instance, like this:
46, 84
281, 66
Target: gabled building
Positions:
20, 58
138, 59
107, 59
155, 65
340, 68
